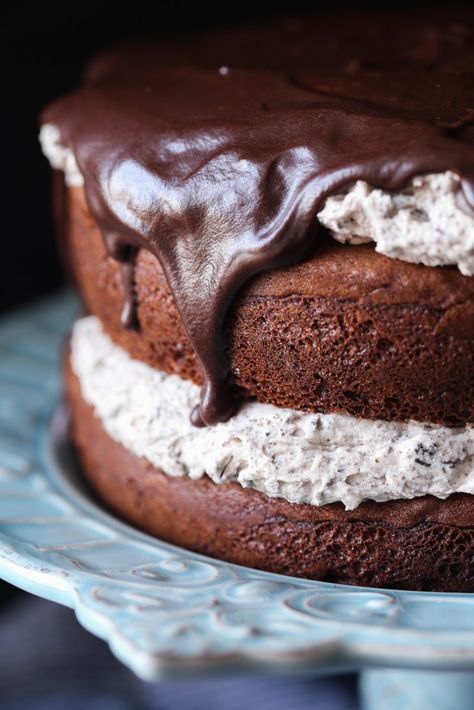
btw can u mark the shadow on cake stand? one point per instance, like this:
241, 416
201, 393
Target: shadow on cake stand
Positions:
165, 611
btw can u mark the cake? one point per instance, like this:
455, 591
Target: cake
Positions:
272, 231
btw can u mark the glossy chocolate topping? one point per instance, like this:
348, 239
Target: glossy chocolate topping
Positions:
215, 154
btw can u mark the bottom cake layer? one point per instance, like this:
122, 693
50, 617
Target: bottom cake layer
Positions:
400, 544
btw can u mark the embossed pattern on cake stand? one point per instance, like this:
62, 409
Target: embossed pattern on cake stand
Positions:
167, 611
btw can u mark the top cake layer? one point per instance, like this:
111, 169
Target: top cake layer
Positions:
216, 155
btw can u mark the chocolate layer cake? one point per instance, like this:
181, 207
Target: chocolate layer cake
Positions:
272, 229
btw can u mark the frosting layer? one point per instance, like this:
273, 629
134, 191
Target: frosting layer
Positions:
301, 457
217, 154
60, 156
427, 223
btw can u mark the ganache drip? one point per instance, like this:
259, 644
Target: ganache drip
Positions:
215, 154
126, 254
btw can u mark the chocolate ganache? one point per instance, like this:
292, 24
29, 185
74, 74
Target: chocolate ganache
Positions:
215, 153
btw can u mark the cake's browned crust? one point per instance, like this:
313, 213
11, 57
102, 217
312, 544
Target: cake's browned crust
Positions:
348, 329
424, 543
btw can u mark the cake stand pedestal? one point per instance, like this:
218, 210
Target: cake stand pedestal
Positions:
165, 611
416, 690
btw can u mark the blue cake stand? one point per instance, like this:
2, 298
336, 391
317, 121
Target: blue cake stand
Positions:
165, 611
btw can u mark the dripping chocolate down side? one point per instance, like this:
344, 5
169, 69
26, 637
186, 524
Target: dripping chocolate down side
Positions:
216, 154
